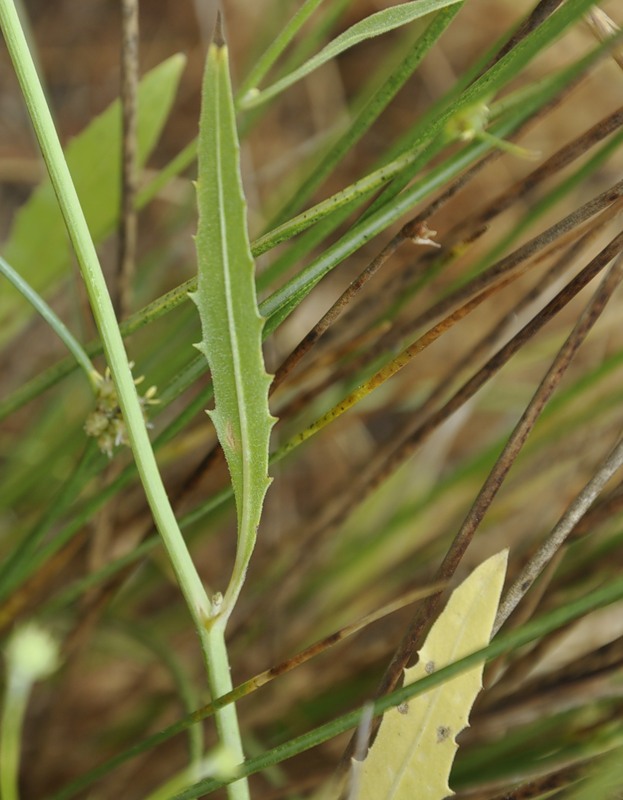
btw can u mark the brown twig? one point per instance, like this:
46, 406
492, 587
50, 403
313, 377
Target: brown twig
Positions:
126, 257
336, 310
603, 28
574, 513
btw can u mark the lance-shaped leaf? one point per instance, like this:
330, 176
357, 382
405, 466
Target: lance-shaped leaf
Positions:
230, 320
413, 753
38, 246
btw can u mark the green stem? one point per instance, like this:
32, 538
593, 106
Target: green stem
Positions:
16, 700
200, 607
221, 683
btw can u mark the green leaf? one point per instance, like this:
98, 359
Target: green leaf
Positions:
374, 25
230, 320
279, 44
413, 753
38, 246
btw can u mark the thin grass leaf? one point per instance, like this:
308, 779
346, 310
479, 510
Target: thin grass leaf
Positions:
227, 304
413, 753
374, 25
488, 85
53, 320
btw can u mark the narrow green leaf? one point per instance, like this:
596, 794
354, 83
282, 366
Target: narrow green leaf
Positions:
94, 159
413, 753
278, 45
53, 320
374, 25
230, 320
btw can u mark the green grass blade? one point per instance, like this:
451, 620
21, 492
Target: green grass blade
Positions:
230, 319
374, 25
285, 299
503, 643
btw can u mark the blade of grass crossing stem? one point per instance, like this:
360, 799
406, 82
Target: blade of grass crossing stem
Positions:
374, 25
419, 739
103, 312
201, 609
230, 320
503, 643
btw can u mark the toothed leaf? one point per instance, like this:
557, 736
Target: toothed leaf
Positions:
413, 753
226, 300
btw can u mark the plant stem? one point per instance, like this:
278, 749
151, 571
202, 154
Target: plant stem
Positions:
30, 654
16, 700
200, 607
220, 684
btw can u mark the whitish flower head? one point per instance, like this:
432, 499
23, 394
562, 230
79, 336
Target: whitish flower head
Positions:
31, 653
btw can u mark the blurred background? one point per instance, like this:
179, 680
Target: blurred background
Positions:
320, 562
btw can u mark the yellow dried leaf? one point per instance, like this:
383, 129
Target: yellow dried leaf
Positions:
413, 753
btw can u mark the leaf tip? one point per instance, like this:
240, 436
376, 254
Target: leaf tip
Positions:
178, 61
218, 40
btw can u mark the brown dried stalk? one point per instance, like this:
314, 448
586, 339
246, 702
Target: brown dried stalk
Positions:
126, 256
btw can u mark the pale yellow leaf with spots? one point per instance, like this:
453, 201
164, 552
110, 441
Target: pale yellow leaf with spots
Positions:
413, 753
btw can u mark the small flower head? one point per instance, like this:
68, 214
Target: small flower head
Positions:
31, 654
105, 423
469, 122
